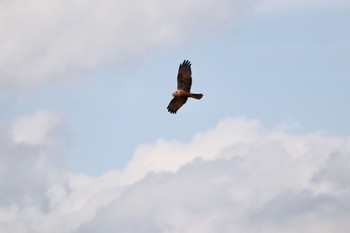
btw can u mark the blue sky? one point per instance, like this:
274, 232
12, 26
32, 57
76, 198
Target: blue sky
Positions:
83, 107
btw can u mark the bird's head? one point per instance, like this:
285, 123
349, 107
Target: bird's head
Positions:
175, 94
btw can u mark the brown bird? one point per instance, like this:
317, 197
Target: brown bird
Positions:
183, 92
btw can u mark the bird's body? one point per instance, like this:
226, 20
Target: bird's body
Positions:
183, 91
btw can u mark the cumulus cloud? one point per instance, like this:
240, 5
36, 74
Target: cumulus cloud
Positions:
60, 39
236, 177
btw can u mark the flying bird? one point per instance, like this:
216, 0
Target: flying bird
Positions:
183, 91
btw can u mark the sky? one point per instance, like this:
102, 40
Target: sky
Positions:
87, 144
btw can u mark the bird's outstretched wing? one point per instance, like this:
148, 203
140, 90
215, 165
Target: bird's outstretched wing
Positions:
176, 103
184, 79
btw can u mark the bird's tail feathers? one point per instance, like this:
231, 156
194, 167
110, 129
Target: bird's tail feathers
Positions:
196, 96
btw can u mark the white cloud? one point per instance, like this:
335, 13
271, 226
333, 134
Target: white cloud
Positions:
45, 40
151, 158
236, 177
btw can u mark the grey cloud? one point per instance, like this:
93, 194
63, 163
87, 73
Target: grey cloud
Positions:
18, 179
336, 172
303, 211
291, 204
168, 202
27, 171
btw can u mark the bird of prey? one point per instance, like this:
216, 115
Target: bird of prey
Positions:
183, 91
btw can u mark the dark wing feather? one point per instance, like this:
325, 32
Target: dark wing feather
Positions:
176, 103
184, 79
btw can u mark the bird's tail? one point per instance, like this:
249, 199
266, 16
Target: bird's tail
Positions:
196, 96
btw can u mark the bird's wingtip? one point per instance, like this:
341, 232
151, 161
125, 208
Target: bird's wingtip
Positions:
186, 63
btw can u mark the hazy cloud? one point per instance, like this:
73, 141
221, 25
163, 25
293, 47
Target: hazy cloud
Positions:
46, 40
